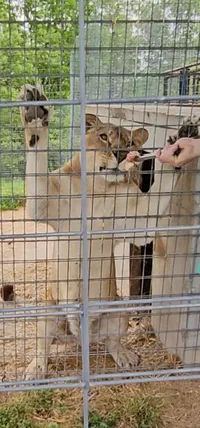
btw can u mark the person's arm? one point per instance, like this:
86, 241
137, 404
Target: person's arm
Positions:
189, 150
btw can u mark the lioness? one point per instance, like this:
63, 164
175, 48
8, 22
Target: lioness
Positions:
114, 199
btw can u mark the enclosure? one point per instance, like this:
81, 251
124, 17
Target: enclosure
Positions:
110, 267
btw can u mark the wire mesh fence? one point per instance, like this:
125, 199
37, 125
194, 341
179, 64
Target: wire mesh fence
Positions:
100, 257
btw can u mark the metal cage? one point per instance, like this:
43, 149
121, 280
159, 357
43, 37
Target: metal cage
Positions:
133, 272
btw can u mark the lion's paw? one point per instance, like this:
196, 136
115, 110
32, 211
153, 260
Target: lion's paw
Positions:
36, 369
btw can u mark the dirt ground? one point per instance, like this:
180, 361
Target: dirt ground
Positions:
24, 263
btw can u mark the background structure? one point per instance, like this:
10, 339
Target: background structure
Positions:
135, 52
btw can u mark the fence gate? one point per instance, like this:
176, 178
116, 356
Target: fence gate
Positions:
100, 263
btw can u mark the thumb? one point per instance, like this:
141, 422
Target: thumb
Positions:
158, 153
174, 147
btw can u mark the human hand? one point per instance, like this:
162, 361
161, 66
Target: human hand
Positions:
132, 159
189, 150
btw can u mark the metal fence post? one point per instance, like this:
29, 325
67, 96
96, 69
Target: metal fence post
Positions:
84, 323
192, 338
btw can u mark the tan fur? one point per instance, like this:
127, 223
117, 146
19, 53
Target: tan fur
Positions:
159, 246
118, 203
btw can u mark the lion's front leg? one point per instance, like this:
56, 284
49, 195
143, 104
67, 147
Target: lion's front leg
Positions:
66, 287
69, 276
42, 203
46, 332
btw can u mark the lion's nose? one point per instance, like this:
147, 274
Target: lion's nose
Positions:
33, 140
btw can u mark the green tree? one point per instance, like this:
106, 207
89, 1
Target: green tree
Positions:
35, 42
137, 42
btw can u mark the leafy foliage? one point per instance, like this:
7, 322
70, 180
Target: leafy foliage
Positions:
36, 41
12, 194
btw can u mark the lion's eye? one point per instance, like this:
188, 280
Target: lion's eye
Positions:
104, 137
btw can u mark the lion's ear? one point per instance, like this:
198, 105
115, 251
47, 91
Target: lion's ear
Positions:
91, 121
138, 137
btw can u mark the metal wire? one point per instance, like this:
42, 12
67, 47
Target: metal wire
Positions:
131, 100
65, 272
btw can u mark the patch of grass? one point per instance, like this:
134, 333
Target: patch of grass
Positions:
11, 194
137, 412
40, 401
36, 409
58, 409
109, 421
15, 415
22, 414
144, 412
